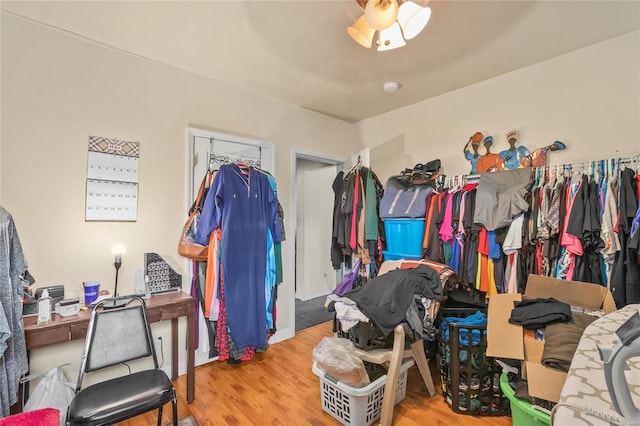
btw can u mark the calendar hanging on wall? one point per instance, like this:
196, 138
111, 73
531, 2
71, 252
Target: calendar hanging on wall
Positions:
112, 180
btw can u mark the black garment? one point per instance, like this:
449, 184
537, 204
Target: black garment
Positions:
536, 313
584, 223
210, 325
469, 263
336, 249
385, 299
434, 250
625, 276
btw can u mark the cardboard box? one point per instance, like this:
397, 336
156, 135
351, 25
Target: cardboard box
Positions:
505, 340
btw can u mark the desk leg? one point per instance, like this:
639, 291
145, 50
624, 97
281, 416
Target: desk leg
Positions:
191, 358
174, 349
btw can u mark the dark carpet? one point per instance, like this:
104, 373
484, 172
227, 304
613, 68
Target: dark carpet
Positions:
311, 312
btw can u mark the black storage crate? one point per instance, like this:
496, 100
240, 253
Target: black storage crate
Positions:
470, 379
364, 335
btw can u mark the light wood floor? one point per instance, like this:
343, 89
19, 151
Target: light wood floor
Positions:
279, 388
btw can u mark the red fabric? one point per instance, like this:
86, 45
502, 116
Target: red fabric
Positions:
483, 242
41, 417
468, 187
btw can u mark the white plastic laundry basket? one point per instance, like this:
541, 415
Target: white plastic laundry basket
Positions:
358, 406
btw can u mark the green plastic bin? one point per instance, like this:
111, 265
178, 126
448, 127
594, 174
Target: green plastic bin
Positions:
521, 412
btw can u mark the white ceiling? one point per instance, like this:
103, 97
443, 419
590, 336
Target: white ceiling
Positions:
299, 51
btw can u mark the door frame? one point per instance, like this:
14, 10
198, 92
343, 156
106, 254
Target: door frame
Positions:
300, 154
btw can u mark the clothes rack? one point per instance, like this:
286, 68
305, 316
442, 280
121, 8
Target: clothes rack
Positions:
601, 166
230, 158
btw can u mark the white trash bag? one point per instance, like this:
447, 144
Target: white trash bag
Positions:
53, 391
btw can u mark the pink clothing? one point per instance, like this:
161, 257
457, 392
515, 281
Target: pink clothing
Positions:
571, 242
446, 229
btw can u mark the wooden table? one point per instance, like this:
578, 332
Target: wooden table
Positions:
161, 307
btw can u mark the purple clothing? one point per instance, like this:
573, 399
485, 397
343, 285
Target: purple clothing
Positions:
245, 207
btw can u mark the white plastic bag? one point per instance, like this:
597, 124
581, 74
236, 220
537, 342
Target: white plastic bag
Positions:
336, 357
53, 391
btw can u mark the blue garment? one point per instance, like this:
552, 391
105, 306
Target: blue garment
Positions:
635, 224
477, 319
245, 208
455, 255
494, 248
270, 278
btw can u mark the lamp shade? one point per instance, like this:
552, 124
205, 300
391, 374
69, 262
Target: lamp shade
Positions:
391, 38
381, 14
413, 18
361, 32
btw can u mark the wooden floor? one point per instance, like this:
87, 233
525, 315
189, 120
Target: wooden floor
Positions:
279, 388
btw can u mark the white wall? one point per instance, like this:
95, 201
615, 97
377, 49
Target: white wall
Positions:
314, 194
57, 90
589, 99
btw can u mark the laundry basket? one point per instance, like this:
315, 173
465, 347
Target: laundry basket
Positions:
470, 379
358, 406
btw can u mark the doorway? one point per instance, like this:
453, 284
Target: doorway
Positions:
314, 275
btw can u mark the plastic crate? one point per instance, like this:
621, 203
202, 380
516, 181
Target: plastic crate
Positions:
364, 335
470, 379
358, 406
522, 413
404, 236
387, 255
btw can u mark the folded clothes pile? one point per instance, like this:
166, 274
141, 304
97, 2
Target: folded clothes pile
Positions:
537, 313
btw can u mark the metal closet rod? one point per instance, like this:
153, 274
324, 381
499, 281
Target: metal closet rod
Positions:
583, 164
621, 160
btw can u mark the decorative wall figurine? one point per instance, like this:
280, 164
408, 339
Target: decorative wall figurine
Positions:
489, 162
538, 157
472, 154
514, 157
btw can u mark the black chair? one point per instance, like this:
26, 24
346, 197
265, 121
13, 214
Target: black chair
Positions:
119, 332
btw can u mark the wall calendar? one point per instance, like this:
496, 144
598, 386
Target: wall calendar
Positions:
112, 180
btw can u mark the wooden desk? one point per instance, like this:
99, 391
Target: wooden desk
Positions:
170, 306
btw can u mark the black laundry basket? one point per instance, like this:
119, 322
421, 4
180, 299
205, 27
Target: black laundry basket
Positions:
364, 335
470, 379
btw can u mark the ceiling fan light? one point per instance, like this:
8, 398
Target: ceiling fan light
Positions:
361, 32
413, 18
391, 38
381, 14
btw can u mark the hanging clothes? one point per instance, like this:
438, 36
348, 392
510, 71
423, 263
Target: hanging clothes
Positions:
356, 226
338, 225
242, 203
584, 224
625, 277
14, 279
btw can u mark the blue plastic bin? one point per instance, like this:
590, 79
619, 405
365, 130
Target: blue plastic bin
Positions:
387, 255
404, 236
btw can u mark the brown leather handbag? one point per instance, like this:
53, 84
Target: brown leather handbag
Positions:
187, 246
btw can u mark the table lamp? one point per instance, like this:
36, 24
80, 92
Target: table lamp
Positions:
118, 250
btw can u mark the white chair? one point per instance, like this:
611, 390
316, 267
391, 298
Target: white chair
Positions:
396, 354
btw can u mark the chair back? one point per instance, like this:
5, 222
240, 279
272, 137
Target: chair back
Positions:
119, 331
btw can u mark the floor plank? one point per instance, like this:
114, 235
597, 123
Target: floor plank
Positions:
278, 388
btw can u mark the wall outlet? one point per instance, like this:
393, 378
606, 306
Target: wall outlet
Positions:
159, 343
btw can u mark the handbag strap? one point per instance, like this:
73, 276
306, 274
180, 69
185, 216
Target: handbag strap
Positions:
206, 181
